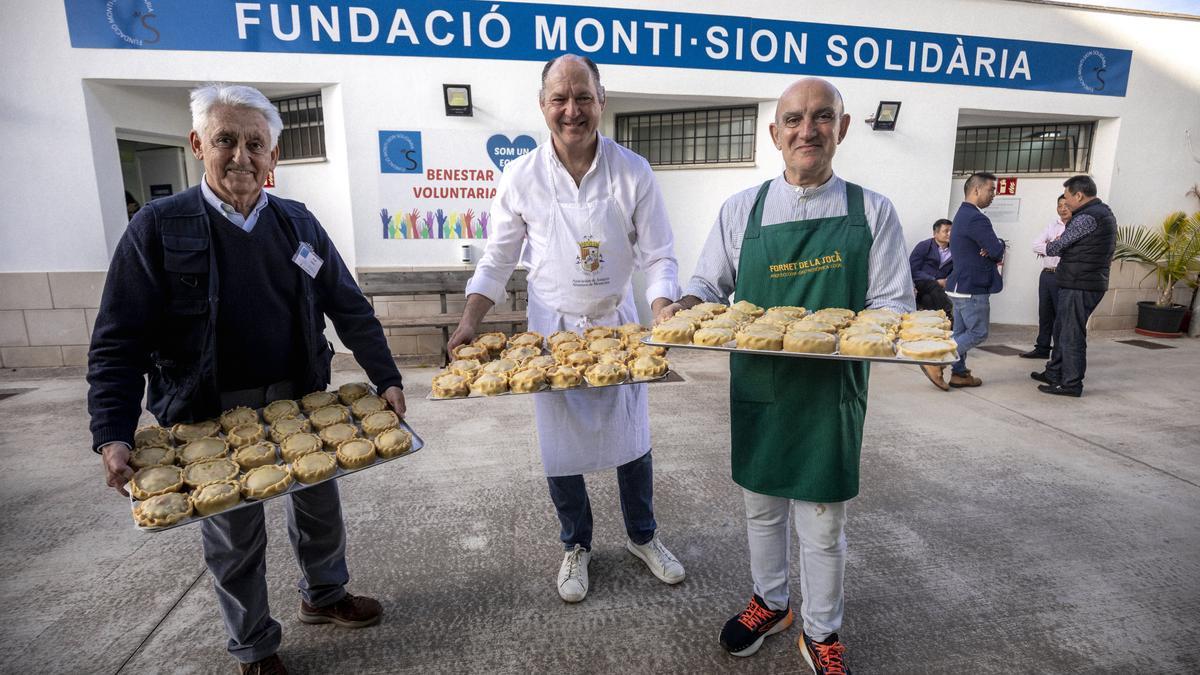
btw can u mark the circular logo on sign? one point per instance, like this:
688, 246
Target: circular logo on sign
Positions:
1091, 71
398, 152
129, 18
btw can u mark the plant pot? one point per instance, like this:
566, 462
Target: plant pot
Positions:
1159, 321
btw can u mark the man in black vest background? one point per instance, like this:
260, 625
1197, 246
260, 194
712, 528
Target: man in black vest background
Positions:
1085, 251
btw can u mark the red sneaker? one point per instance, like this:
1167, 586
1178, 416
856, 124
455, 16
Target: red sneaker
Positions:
825, 658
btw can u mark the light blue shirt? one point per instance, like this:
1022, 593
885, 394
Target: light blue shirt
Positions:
231, 214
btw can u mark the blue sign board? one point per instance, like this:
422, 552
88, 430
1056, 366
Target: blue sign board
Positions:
536, 32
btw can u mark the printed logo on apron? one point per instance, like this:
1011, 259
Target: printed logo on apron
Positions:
590, 260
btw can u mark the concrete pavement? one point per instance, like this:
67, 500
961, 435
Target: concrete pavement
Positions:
999, 530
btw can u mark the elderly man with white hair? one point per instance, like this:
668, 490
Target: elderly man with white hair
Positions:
218, 294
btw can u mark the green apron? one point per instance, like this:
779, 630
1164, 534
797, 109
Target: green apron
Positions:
797, 423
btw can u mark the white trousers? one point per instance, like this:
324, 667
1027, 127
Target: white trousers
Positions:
821, 529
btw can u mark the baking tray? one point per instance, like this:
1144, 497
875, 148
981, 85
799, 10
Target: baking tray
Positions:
339, 472
727, 347
669, 376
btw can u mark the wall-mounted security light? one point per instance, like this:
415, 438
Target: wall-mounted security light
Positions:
458, 100
885, 116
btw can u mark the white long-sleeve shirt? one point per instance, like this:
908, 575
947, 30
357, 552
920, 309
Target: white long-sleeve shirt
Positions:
889, 278
1052, 232
521, 213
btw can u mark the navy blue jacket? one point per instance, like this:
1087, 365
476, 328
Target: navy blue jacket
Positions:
974, 274
926, 262
158, 317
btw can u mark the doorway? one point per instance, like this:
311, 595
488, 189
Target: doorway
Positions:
151, 171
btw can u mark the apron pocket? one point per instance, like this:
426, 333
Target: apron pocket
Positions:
752, 378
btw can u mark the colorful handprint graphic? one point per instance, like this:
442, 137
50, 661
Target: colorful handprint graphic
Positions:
481, 231
467, 218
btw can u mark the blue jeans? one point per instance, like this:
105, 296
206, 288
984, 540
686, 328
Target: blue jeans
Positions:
635, 482
1068, 361
971, 319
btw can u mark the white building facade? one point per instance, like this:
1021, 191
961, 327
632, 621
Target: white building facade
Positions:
95, 105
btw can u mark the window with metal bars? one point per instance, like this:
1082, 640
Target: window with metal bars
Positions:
690, 137
1026, 148
303, 134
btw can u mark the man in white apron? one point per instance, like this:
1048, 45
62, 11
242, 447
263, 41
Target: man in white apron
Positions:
582, 213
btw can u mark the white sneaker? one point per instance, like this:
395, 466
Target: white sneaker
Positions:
573, 575
661, 562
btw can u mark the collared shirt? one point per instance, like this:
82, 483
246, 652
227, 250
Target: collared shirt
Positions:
1052, 232
944, 254
227, 210
890, 282
521, 218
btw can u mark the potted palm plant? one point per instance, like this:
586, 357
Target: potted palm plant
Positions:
1172, 252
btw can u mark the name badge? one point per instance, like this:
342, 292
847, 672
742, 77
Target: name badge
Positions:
308, 260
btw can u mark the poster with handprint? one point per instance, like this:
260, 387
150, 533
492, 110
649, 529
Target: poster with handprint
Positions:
439, 184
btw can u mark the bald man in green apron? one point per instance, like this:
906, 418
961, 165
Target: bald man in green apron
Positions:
796, 424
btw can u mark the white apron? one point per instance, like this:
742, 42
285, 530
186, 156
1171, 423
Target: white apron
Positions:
590, 256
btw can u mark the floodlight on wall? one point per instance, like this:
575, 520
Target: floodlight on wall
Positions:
458, 100
885, 116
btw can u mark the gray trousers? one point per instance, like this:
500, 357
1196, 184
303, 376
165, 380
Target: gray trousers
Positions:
235, 545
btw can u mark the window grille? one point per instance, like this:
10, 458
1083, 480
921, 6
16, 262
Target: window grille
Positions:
1028, 148
691, 137
303, 134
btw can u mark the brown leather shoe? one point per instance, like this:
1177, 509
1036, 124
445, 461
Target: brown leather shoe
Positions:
964, 380
936, 375
272, 665
352, 611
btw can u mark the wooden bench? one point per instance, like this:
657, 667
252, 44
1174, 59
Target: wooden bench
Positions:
443, 284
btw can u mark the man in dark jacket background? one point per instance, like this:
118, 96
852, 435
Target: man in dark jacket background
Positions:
219, 294
1085, 251
931, 262
976, 251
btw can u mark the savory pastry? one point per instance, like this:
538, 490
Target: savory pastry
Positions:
266, 481
713, 337
604, 374
287, 426
617, 356
925, 312
278, 410
299, 444
314, 467
580, 359
393, 443
788, 310
929, 349
721, 321
648, 350
202, 449
152, 455
930, 321
563, 377
713, 308
379, 422
152, 435
200, 473
522, 353
468, 368
494, 343
503, 366
562, 336
632, 339
527, 339
356, 453
865, 328
527, 381
630, 329
471, 352
155, 480
780, 321
245, 434
317, 400
562, 349
162, 510
450, 385
741, 318
490, 384
760, 336
648, 367
333, 435
674, 331
328, 416
186, 433
597, 332
809, 342
866, 344
367, 405
254, 455
923, 333
883, 317
837, 316
352, 391
812, 325
216, 497
747, 308
695, 315
236, 417
601, 345
543, 362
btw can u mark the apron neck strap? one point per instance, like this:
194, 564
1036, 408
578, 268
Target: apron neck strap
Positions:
854, 200
754, 225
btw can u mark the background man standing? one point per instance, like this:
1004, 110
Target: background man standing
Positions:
1048, 283
204, 295
931, 263
1085, 252
976, 251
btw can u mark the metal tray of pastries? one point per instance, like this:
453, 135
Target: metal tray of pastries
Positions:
530, 363
876, 335
191, 472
